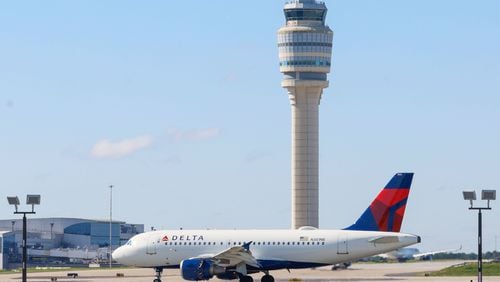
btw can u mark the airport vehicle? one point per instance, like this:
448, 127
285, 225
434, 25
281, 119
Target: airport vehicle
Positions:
233, 254
405, 254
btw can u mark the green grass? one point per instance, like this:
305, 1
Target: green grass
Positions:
469, 269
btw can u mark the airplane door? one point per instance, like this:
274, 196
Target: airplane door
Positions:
342, 245
151, 247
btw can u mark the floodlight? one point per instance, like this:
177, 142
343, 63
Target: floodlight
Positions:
469, 195
489, 195
33, 199
30, 200
13, 201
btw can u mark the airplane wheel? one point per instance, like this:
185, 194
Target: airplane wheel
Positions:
158, 271
246, 278
267, 278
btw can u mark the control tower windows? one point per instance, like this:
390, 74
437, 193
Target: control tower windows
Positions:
304, 15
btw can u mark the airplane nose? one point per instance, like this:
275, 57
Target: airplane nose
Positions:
117, 255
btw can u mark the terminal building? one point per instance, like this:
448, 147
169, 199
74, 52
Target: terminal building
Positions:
62, 240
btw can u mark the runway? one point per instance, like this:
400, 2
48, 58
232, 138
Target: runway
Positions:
395, 272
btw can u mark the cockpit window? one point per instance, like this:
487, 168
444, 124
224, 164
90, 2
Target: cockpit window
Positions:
129, 243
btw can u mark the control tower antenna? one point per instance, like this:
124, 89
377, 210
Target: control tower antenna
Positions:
305, 52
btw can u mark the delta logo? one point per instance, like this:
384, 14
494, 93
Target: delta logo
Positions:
183, 238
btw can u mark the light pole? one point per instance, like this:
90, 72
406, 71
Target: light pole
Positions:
110, 223
30, 200
488, 195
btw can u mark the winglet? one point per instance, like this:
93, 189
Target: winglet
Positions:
246, 246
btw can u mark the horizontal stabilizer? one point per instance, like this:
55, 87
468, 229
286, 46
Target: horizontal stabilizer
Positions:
385, 240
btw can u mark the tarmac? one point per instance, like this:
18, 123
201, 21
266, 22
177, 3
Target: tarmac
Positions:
394, 272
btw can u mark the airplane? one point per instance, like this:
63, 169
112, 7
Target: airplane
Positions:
234, 254
405, 254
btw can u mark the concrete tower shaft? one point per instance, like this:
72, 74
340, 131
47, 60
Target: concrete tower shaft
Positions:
305, 50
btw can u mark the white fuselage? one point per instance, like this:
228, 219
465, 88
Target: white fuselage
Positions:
273, 249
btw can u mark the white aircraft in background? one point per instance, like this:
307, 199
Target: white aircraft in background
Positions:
405, 254
234, 254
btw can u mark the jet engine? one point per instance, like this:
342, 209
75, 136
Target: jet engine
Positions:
196, 269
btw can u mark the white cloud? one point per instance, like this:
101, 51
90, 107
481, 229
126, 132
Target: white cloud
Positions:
109, 149
193, 135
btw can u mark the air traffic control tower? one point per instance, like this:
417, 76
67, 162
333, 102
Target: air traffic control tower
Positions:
305, 52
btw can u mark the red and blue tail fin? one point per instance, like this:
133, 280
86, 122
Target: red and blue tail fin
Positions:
386, 212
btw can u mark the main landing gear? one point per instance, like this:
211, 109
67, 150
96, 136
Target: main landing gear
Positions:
158, 271
246, 278
265, 278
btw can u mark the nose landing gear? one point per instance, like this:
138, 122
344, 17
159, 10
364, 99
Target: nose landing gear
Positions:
158, 271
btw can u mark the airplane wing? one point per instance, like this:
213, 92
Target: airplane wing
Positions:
236, 255
419, 255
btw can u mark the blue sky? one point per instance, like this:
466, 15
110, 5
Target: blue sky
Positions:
179, 105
